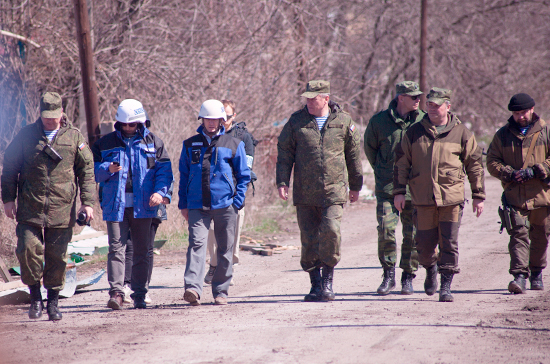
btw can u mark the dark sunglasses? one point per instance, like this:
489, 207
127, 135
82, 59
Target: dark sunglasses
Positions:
230, 116
414, 98
130, 125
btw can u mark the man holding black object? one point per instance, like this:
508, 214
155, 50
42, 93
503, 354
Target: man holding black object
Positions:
519, 156
44, 166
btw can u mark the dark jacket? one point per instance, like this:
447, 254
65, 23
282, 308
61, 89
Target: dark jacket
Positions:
382, 136
323, 160
46, 189
151, 172
207, 171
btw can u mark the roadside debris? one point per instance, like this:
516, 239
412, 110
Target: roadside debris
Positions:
260, 247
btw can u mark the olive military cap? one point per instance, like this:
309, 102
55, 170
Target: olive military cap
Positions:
409, 88
439, 95
50, 105
315, 88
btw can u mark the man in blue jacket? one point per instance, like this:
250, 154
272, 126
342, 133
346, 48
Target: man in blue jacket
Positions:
210, 163
135, 171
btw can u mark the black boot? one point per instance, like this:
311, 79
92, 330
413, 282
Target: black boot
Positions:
53, 310
327, 293
445, 290
388, 283
430, 284
316, 292
407, 283
35, 311
518, 285
536, 280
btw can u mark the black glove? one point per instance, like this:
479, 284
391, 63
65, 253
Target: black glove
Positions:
540, 170
523, 175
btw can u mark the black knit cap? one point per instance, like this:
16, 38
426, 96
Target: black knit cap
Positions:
520, 102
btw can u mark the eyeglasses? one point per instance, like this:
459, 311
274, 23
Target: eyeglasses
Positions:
230, 116
414, 98
129, 125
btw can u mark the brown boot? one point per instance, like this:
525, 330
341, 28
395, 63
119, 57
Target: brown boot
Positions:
116, 301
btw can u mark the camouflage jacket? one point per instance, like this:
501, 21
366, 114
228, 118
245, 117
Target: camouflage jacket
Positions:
45, 189
507, 153
320, 158
434, 164
384, 133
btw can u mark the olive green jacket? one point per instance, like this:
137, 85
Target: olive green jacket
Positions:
46, 190
434, 164
507, 153
323, 160
384, 133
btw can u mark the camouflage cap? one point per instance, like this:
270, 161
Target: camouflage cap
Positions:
315, 88
439, 95
409, 88
50, 105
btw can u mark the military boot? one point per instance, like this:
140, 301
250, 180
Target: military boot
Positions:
388, 283
445, 290
407, 283
518, 285
35, 311
326, 280
536, 280
53, 310
316, 292
430, 284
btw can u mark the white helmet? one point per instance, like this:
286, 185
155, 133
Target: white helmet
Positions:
130, 111
212, 109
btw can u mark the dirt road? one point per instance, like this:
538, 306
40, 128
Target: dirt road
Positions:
267, 321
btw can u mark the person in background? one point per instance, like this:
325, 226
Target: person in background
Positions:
237, 130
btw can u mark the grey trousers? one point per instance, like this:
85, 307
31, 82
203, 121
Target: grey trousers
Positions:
118, 235
224, 229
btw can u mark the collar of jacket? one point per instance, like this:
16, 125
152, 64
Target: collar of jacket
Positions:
394, 115
432, 131
201, 128
514, 127
64, 125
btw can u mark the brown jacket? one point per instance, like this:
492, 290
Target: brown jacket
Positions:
507, 153
434, 164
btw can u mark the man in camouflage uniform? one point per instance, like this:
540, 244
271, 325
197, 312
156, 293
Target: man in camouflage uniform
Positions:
432, 159
383, 135
526, 193
44, 167
320, 141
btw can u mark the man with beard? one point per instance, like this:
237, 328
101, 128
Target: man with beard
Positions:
519, 156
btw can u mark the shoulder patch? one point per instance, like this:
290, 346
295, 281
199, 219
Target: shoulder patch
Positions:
352, 127
196, 143
82, 146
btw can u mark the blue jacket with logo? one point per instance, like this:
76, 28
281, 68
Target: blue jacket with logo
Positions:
212, 176
151, 172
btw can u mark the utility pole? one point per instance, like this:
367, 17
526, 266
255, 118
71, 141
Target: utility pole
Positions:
89, 87
423, 49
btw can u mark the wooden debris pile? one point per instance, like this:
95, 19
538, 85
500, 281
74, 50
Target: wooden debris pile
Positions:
264, 248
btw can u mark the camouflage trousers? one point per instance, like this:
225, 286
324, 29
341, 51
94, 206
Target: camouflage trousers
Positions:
528, 225
387, 216
320, 235
36, 245
438, 227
